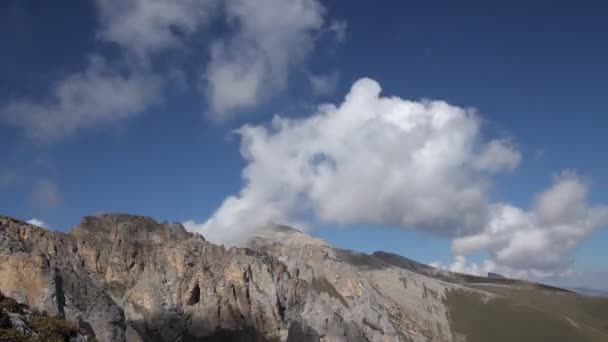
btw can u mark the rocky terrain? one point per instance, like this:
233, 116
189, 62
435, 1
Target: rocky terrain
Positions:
19, 323
120, 277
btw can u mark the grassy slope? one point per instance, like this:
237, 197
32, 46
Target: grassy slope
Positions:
527, 314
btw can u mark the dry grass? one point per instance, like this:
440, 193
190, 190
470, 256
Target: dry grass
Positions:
521, 314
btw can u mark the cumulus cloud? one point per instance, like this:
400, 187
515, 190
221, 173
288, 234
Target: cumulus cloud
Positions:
412, 164
542, 239
37, 222
270, 37
372, 159
99, 95
45, 194
324, 84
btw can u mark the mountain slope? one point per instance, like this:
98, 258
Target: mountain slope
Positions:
128, 278
436, 305
590, 292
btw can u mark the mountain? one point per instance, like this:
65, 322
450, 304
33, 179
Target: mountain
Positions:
495, 275
128, 278
590, 292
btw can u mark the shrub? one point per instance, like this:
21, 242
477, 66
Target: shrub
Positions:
52, 329
11, 305
12, 335
5, 320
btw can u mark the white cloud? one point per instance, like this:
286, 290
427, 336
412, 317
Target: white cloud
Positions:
37, 222
99, 95
106, 92
324, 85
247, 65
539, 241
338, 28
461, 265
45, 194
497, 155
147, 26
373, 159
392, 162
270, 37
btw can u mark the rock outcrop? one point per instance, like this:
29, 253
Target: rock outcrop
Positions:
129, 278
18, 323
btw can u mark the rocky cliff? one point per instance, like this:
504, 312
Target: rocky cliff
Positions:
129, 278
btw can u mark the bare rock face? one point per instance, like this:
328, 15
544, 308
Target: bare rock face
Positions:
130, 278
387, 302
45, 271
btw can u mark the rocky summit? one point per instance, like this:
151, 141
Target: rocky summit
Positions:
117, 277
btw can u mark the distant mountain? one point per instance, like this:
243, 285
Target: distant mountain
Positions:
128, 278
590, 292
493, 275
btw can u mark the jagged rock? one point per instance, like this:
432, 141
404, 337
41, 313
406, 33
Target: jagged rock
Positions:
17, 323
371, 291
126, 276
493, 275
129, 278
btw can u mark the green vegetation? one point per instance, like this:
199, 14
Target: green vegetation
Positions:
10, 305
45, 328
12, 335
52, 329
590, 313
48, 329
526, 315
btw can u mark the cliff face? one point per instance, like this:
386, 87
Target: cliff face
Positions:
386, 302
130, 278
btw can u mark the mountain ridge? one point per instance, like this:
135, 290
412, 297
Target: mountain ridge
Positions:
130, 278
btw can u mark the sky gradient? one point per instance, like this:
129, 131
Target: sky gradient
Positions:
122, 106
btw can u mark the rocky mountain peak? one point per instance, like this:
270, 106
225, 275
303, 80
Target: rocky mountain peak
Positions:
140, 229
122, 277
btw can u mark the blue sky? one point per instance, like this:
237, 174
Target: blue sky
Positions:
536, 74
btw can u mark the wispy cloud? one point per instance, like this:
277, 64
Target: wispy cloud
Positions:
37, 222
101, 94
247, 66
270, 37
145, 27
338, 28
324, 84
45, 194
105, 91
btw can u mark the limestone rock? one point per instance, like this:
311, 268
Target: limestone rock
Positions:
121, 277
